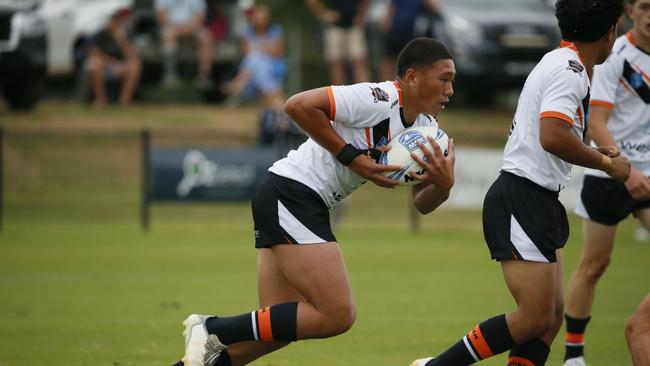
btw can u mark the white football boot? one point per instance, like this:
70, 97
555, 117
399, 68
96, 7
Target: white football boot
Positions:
576, 361
421, 361
201, 348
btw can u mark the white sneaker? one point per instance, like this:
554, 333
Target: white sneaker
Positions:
421, 361
201, 348
576, 361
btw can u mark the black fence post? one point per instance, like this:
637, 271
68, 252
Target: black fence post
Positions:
144, 154
1, 176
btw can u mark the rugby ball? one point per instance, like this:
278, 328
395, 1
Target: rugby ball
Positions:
401, 147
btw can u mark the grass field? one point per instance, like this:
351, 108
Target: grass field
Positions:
81, 284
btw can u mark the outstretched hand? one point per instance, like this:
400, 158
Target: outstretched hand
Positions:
619, 168
438, 168
367, 167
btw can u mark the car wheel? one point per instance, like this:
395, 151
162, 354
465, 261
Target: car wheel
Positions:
23, 94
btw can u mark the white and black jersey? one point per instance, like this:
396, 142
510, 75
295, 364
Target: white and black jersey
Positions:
557, 87
622, 84
522, 216
291, 205
364, 115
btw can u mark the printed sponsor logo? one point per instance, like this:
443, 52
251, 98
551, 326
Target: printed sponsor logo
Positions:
410, 140
575, 66
337, 196
198, 171
379, 95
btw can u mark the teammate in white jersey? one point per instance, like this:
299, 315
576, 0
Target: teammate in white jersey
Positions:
524, 223
303, 285
620, 116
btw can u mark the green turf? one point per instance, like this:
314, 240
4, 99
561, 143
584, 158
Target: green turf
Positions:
108, 294
80, 284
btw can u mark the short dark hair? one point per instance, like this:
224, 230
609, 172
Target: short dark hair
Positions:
421, 52
587, 20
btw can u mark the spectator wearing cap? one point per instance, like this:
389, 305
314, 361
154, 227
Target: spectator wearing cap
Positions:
184, 19
112, 55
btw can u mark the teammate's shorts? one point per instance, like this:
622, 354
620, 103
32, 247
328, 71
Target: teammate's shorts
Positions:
288, 212
606, 201
523, 221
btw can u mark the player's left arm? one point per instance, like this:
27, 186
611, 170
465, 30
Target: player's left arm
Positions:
556, 138
437, 179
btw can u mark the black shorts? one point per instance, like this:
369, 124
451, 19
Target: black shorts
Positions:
606, 201
523, 221
288, 212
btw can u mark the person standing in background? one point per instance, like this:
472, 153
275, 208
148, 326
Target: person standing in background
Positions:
344, 37
619, 116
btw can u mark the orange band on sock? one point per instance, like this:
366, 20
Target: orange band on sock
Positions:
519, 361
575, 337
476, 337
264, 322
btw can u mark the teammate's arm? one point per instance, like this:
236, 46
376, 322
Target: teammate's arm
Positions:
598, 131
556, 137
437, 179
311, 110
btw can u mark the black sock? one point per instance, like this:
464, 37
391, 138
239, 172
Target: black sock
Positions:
224, 359
574, 344
274, 323
531, 353
486, 340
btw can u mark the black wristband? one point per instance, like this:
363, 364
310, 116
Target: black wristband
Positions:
348, 153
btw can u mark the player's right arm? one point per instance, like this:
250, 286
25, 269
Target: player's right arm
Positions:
562, 98
311, 110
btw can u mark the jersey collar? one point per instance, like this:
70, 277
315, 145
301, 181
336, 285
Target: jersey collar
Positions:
399, 92
572, 46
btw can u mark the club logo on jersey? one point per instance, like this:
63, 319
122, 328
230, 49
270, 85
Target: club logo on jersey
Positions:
379, 95
410, 140
575, 66
636, 80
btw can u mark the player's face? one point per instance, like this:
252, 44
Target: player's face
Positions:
640, 14
434, 86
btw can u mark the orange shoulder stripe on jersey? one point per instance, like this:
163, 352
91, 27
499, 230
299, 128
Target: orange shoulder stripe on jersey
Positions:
559, 115
572, 46
330, 95
519, 361
264, 322
478, 341
368, 141
575, 337
630, 37
601, 103
399, 92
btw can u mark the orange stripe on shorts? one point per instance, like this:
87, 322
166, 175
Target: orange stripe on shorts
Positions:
478, 341
264, 322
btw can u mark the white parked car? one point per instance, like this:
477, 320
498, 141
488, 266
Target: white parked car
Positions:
69, 24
